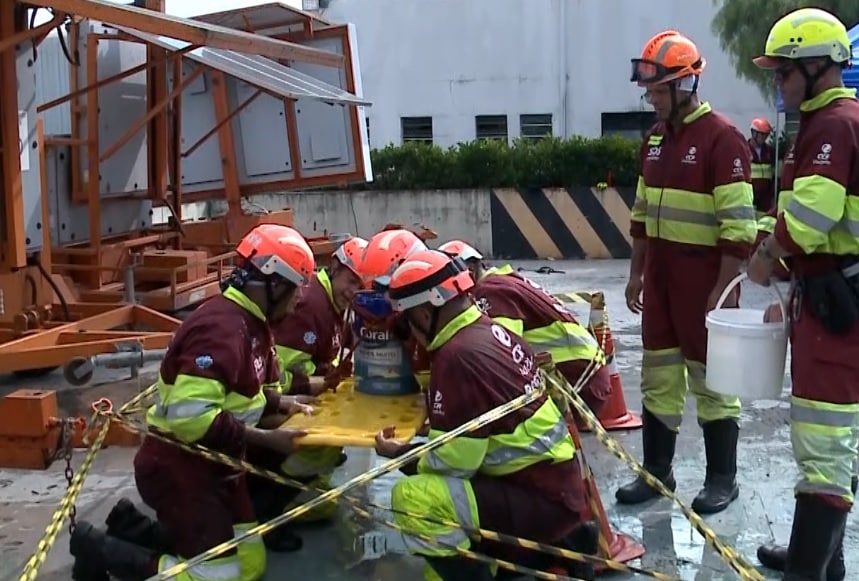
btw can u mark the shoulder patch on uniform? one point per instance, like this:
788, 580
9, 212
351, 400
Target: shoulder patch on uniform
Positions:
204, 361
483, 304
310, 338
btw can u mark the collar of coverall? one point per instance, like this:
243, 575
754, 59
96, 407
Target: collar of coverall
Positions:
238, 297
325, 280
506, 269
826, 97
703, 109
454, 326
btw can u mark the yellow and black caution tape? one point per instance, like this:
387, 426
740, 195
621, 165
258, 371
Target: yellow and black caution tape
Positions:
394, 464
745, 570
37, 559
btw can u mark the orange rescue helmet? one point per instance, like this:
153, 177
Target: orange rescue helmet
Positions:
428, 277
351, 253
666, 57
761, 125
276, 250
384, 252
460, 249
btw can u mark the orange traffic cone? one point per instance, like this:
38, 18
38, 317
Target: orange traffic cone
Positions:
613, 545
615, 415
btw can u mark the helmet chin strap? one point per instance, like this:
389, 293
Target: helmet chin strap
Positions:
688, 85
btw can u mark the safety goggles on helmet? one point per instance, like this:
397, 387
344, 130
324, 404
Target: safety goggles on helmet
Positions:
648, 72
436, 289
459, 249
278, 251
350, 254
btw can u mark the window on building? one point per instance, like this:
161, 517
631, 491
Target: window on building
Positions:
490, 127
535, 126
632, 124
416, 128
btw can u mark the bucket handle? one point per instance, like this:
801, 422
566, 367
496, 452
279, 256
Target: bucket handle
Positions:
740, 278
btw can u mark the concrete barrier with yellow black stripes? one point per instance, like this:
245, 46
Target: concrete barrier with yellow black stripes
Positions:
577, 222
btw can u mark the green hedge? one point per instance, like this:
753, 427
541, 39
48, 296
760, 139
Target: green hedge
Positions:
548, 162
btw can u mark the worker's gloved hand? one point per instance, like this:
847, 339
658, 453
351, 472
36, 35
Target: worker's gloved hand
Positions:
295, 404
283, 439
386, 445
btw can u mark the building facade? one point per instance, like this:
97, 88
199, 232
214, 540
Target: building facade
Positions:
449, 71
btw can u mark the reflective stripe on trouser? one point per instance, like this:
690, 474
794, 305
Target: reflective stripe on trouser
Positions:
441, 498
223, 569
251, 553
825, 446
664, 376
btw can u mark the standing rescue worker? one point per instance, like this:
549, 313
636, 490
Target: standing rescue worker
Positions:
517, 475
308, 343
693, 224
763, 165
819, 230
527, 309
215, 386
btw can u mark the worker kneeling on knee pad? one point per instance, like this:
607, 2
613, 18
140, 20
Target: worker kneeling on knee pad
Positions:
517, 475
213, 390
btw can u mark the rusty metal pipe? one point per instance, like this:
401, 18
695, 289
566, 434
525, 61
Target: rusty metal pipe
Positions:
79, 371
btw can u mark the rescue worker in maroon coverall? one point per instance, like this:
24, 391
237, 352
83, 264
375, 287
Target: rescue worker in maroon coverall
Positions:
763, 166
818, 229
528, 310
518, 475
213, 390
308, 343
693, 224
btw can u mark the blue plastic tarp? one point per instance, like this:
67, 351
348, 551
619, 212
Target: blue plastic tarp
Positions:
851, 76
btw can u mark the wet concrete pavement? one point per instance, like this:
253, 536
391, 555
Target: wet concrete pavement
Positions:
354, 550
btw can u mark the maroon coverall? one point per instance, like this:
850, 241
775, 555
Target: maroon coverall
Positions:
511, 297
198, 501
474, 374
763, 187
316, 328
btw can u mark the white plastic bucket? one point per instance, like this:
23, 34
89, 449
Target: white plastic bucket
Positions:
746, 356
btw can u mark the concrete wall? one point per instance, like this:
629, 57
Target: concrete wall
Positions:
504, 223
568, 58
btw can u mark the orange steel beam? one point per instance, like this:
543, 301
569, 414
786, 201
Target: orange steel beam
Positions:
192, 31
157, 139
154, 110
113, 78
25, 35
232, 188
13, 251
222, 122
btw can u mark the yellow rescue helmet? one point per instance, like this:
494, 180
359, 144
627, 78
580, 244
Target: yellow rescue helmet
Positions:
806, 33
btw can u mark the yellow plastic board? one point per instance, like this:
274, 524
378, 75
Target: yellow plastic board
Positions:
350, 418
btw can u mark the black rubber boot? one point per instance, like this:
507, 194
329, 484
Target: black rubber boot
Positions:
775, 556
460, 569
99, 555
659, 443
720, 484
129, 524
584, 539
269, 500
817, 529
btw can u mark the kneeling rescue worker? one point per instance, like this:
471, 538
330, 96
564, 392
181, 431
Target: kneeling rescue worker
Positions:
527, 309
818, 229
217, 382
309, 342
518, 475
693, 224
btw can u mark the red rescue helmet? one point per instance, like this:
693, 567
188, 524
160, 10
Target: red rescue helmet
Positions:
384, 252
351, 253
461, 250
761, 125
428, 277
666, 57
276, 250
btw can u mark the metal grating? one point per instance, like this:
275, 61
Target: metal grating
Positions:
259, 71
